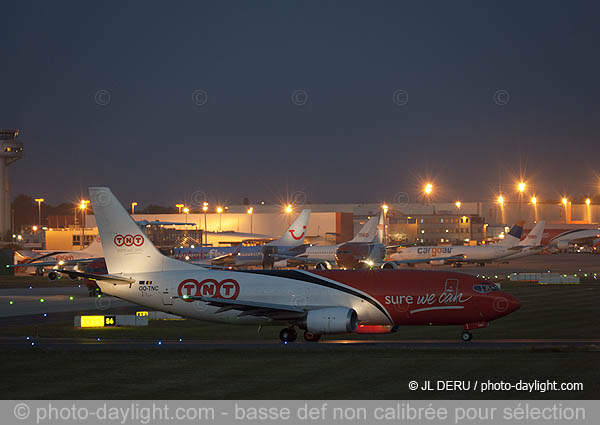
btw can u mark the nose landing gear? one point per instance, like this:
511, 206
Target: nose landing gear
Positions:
467, 336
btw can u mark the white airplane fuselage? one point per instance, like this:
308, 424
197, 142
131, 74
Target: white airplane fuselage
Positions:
470, 253
166, 290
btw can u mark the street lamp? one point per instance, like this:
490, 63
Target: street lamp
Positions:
220, 212
458, 204
428, 189
179, 207
588, 210
521, 187
133, 204
288, 210
565, 202
39, 202
83, 208
205, 208
385, 209
501, 200
534, 203
250, 211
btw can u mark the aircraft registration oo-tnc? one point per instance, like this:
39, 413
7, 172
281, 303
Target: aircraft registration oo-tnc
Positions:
319, 302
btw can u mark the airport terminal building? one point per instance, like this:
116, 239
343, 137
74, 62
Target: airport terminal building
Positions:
423, 223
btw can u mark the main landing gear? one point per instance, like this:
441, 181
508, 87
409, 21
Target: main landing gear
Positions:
289, 334
466, 336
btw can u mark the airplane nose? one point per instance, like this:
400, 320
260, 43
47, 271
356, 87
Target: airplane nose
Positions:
505, 303
513, 304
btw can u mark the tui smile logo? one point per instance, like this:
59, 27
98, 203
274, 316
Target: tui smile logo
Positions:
301, 235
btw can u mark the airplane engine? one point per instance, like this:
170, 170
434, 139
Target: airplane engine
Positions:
280, 264
389, 265
562, 245
437, 262
52, 276
323, 265
332, 320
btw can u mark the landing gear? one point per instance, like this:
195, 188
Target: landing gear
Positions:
467, 336
311, 337
288, 335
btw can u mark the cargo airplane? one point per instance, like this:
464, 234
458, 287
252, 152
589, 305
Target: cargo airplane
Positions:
319, 302
510, 247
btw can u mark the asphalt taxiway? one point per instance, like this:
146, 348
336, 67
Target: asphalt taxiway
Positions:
32, 342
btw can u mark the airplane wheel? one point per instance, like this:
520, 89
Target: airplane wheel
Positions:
467, 336
288, 335
311, 337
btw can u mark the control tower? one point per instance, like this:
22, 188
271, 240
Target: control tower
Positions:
12, 150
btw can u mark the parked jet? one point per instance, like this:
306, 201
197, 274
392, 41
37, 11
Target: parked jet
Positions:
324, 256
40, 260
53, 258
563, 241
291, 243
459, 253
531, 244
320, 302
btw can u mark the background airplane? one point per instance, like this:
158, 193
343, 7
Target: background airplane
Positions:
290, 243
39, 260
586, 237
321, 302
324, 256
457, 254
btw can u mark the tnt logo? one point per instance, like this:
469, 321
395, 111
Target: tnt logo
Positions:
227, 289
128, 240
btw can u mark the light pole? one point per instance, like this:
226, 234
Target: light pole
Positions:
186, 211
288, 210
250, 211
385, 208
205, 208
83, 208
588, 210
133, 204
501, 203
39, 202
521, 188
428, 189
565, 202
220, 211
535, 212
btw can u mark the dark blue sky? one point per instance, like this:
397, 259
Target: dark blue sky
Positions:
348, 142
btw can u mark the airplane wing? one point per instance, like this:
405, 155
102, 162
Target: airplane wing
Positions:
55, 263
294, 260
225, 259
251, 308
117, 280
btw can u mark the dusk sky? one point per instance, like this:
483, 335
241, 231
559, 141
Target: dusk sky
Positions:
345, 101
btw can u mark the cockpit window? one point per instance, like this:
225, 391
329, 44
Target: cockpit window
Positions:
484, 288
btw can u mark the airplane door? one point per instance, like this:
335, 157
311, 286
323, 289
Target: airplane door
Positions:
167, 293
